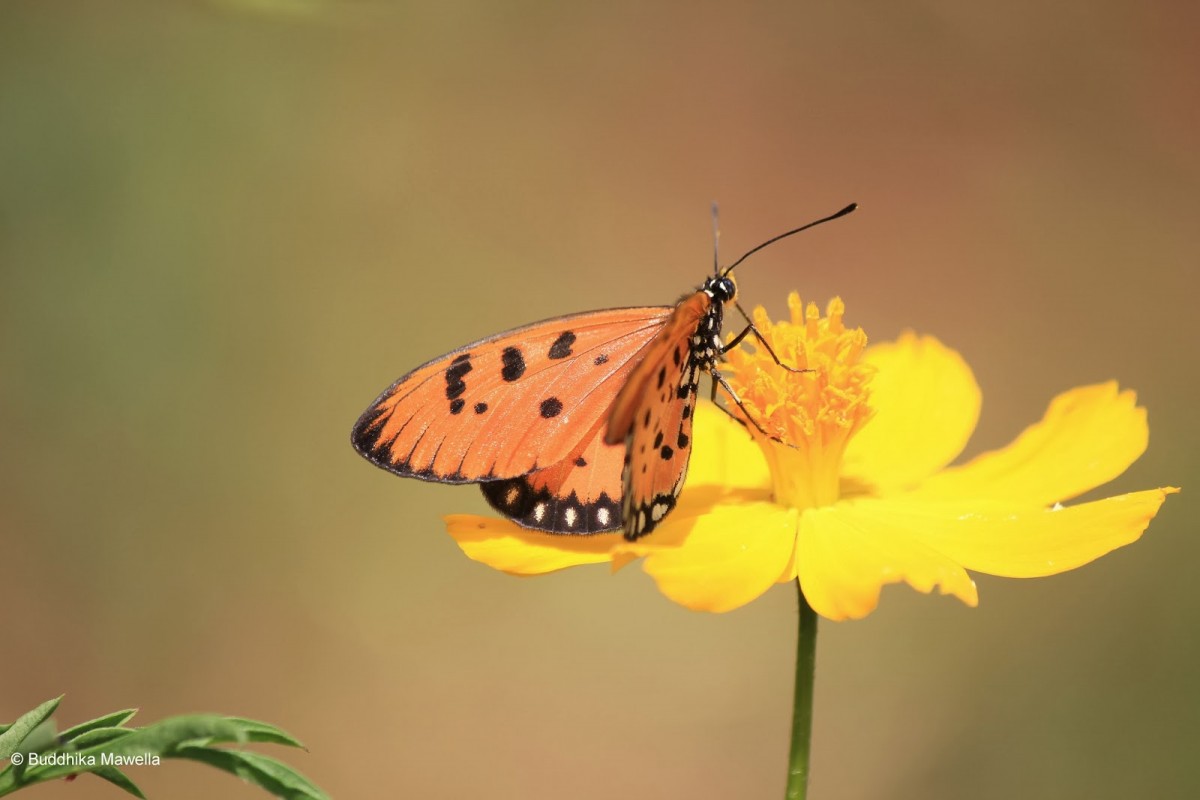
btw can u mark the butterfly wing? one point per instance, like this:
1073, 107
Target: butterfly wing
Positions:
653, 413
510, 404
581, 494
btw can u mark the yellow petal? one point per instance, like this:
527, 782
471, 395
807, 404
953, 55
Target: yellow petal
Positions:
1020, 542
1087, 437
721, 559
510, 548
845, 557
724, 453
926, 405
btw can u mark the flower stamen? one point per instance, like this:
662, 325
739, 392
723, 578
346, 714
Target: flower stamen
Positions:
809, 417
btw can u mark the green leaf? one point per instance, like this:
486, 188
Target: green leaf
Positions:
114, 720
97, 736
118, 778
256, 731
159, 739
40, 738
11, 739
104, 739
162, 737
262, 771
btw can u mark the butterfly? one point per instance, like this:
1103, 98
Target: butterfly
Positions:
579, 424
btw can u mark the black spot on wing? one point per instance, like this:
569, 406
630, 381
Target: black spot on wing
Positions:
562, 345
481, 407
666, 452
514, 364
551, 407
600, 359
683, 440
458, 369
581, 462
456, 405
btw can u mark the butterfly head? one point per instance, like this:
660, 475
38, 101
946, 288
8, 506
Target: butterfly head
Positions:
720, 288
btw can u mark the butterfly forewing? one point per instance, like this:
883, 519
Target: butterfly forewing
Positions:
511, 404
653, 413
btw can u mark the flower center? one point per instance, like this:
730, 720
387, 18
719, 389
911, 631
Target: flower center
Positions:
809, 416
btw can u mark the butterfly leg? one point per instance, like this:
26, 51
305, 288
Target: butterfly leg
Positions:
719, 379
751, 328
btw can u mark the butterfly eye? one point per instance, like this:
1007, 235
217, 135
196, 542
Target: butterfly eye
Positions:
725, 290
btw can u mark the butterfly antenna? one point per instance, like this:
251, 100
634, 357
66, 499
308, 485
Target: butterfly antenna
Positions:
716, 238
775, 239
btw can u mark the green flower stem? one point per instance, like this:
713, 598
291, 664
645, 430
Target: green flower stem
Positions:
806, 667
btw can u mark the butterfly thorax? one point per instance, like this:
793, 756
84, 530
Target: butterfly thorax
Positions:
705, 344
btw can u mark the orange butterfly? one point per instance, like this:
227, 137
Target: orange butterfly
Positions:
578, 424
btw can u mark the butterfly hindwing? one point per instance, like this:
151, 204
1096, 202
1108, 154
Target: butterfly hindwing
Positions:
511, 404
580, 495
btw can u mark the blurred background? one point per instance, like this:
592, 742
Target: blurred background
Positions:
226, 226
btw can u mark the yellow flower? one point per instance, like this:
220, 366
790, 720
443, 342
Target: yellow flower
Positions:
852, 490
